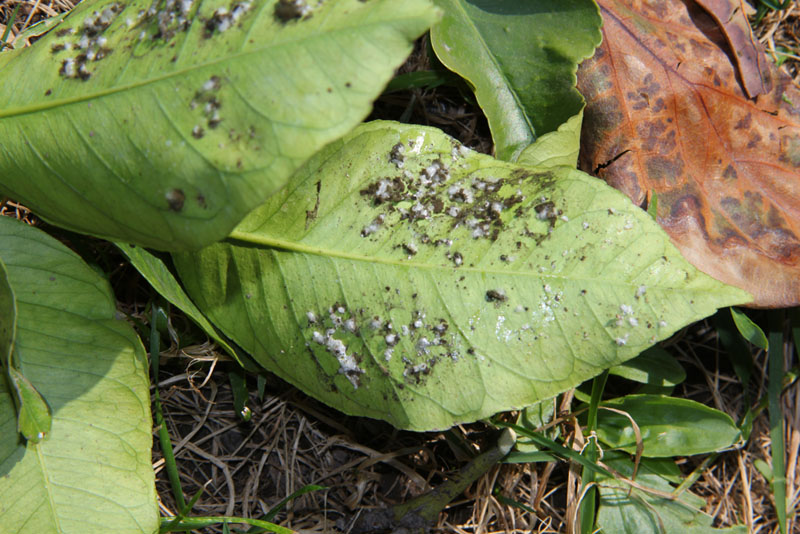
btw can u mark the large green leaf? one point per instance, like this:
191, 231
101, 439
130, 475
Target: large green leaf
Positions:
669, 426
626, 510
404, 277
93, 473
521, 57
188, 114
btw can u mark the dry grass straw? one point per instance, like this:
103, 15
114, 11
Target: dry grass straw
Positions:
293, 441
779, 32
30, 12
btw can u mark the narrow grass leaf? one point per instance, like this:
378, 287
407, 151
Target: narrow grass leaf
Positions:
160, 278
173, 474
421, 79
195, 523
776, 418
9, 25
402, 276
518, 457
737, 350
511, 502
652, 206
588, 506
165, 123
275, 510
8, 318
564, 452
240, 393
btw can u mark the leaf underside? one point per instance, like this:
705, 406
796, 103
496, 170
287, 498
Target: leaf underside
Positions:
402, 276
520, 61
93, 469
165, 125
665, 114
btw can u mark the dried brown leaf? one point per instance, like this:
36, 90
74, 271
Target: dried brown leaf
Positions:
666, 115
747, 52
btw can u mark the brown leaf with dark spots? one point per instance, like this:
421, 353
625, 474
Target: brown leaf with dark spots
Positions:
747, 52
666, 115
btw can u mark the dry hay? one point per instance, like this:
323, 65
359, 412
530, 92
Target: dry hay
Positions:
292, 441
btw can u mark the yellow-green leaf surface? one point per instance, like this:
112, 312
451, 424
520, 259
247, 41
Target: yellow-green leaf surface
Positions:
92, 473
164, 123
33, 414
521, 57
402, 276
560, 147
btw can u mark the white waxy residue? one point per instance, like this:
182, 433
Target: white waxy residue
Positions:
347, 363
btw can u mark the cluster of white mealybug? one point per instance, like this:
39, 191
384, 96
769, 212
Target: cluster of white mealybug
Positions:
91, 46
224, 19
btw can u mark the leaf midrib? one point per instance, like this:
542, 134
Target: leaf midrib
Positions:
25, 110
293, 246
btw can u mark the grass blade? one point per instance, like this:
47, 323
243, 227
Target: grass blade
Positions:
588, 505
269, 516
163, 433
194, 523
776, 433
8, 26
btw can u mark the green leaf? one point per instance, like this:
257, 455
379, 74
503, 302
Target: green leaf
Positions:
402, 276
654, 366
33, 414
93, 473
652, 206
34, 418
556, 148
521, 57
534, 417
8, 318
184, 121
628, 510
160, 277
421, 79
240, 394
748, 329
669, 426
736, 349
